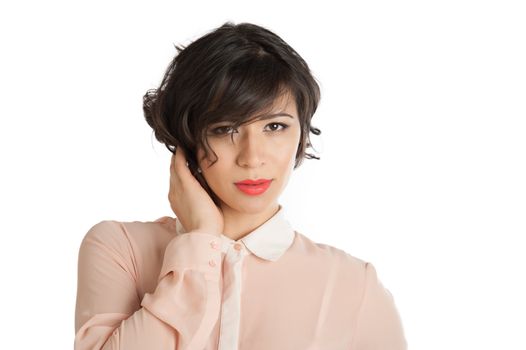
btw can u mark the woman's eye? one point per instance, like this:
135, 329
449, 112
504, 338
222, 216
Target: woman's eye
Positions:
221, 130
226, 129
283, 126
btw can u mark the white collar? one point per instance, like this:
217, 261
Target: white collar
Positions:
269, 241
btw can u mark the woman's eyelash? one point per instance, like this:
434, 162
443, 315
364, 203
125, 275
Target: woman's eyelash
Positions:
218, 130
283, 125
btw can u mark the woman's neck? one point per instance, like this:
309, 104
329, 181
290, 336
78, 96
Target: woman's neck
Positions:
238, 224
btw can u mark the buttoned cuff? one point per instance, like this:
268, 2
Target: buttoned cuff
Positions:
196, 251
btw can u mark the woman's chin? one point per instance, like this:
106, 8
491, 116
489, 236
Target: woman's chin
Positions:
251, 204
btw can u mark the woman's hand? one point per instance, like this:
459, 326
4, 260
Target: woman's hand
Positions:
189, 200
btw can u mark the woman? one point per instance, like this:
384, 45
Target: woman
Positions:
229, 271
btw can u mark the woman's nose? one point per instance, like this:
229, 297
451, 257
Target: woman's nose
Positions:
251, 150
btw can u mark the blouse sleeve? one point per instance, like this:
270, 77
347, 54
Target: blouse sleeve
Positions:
179, 314
379, 326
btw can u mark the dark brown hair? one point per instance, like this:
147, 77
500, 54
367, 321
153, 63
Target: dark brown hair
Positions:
229, 74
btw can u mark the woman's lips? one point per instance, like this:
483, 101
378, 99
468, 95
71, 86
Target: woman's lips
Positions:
253, 190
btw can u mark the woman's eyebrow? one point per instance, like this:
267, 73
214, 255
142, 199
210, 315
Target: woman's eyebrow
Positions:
263, 117
268, 116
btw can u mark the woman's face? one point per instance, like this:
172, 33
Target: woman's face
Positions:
263, 149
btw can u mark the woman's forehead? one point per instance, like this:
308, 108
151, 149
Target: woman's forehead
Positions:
283, 106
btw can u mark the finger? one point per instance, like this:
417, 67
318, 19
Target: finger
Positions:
181, 168
172, 165
177, 157
172, 171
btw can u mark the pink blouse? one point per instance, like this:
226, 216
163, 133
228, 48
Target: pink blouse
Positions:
150, 285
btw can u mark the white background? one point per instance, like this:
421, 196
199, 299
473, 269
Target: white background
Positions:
423, 150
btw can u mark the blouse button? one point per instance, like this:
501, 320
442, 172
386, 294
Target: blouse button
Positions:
212, 263
214, 245
237, 246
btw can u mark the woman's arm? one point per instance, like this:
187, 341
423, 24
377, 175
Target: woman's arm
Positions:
379, 326
182, 310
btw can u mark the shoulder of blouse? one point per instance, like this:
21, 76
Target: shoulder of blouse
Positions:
350, 270
323, 250
118, 234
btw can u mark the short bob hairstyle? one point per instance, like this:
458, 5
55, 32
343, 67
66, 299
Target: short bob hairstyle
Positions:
233, 73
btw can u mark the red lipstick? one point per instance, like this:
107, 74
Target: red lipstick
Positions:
253, 187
